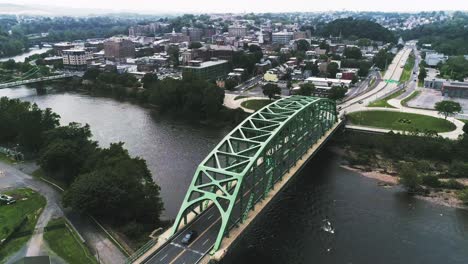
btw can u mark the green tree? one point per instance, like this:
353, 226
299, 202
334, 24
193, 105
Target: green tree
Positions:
332, 69
463, 196
465, 128
195, 45
306, 89
422, 73
337, 92
409, 178
448, 108
148, 79
270, 90
118, 188
230, 84
353, 53
302, 45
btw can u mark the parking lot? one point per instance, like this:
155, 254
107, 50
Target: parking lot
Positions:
429, 97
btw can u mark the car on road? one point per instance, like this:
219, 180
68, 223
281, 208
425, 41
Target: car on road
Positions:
360, 102
189, 237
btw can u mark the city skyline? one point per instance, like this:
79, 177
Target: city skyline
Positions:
261, 6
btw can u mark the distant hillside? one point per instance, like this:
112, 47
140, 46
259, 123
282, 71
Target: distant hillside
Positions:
356, 28
449, 37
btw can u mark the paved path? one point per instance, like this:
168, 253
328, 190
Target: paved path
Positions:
229, 102
12, 177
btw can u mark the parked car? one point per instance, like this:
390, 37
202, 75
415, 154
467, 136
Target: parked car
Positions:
5, 199
189, 237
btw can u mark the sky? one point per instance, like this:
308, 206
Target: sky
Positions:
207, 6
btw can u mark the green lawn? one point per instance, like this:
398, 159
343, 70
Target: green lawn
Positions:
5, 158
29, 205
383, 102
408, 70
405, 101
255, 104
65, 243
240, 97
400, 121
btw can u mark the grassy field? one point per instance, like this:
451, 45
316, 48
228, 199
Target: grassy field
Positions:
383, 102
240, 97
408, 70
400, 121
65, 243
405, 101
5, 158
20, 216
255, 104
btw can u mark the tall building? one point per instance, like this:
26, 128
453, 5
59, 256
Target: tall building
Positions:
75, 59
195, 34
119, 48
60, 47
208, 70
237, 31
282, 37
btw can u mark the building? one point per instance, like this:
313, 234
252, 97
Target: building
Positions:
76, 59
60, 47
119, 49
237, 31
282, 37
455, 89
326, 82
273, 75
195, 34
208, 70
299, 35
434, 58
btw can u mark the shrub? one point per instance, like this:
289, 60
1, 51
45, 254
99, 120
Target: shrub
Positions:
463, 195
431, 181
409, 177
458, 169
452, 184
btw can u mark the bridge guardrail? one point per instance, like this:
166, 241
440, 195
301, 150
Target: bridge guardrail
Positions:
141, 251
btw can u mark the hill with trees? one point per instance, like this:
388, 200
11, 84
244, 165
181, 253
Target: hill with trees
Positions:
351, 28
449, 37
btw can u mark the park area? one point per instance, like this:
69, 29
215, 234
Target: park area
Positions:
255, 104
18, 220
65, 242
400, 121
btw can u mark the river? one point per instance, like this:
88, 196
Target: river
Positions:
23, 56
373, 224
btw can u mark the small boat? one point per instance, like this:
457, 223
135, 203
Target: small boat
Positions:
327, 227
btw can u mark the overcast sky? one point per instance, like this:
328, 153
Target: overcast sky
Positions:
205, 6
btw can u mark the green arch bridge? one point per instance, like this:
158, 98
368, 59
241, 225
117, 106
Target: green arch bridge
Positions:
241, 170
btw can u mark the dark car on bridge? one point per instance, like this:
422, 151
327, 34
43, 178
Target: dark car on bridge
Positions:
189, 237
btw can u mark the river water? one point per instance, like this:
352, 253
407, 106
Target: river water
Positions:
22, 57
372, 224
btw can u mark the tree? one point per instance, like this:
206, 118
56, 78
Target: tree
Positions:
353, 53
465, 128
174, 55
332, 69
117, 188
463, 196
337, 92
448, 108
422, 73
306, 89
302, 45
230, 84
270, 90
148, 79
409, 178
195, 45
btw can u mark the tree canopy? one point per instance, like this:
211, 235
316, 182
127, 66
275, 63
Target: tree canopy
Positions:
271, 89
448, 108
356, 29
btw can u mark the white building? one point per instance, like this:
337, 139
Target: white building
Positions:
433, 58
326, 82
237, 31
282, 37
76, 59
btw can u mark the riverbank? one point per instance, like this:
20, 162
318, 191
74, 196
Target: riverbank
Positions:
387, 178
